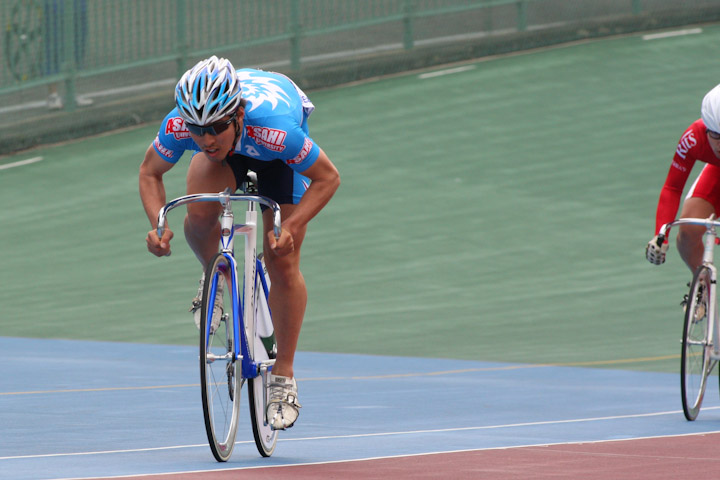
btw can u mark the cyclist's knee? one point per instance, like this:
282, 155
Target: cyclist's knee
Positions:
283, 270
202, 217
689, 236
696, 207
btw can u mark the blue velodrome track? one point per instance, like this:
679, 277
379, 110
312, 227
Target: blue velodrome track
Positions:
76, 409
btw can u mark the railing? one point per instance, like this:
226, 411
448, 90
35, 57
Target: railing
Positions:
53, 41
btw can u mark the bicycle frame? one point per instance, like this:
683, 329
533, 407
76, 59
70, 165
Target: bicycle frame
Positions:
709, 239
228, 229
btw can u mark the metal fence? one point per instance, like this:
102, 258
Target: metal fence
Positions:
47, 41
101, 48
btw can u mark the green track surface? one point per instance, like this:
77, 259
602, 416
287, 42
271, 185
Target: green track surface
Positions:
499, 213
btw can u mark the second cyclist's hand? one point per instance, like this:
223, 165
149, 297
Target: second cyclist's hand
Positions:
282, 246
159, 247
655, 253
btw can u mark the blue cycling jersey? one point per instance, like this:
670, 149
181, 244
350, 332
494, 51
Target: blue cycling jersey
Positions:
275, 124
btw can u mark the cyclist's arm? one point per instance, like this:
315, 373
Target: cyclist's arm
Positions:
152, 194
152, 188
325, 180
671, 192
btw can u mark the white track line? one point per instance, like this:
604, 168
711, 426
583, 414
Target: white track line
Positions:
447, 71
674, 33
20, 163
409, 455
384, 434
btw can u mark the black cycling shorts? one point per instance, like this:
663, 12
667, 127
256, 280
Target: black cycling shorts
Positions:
275, 179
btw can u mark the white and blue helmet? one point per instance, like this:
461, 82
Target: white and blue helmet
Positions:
710, 109
208, 92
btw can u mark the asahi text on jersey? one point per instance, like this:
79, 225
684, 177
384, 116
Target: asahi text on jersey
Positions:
270, 138
176, 127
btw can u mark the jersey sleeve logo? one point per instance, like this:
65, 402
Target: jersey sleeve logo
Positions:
686, 143
175, 126
164, 151
307, 146
270, 138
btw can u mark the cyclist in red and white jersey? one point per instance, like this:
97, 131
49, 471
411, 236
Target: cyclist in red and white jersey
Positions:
700, 142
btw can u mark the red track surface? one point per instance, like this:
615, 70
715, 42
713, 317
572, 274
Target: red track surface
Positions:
671, 458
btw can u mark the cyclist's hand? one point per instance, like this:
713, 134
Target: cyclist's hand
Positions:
159, 247
282, 246
655, 253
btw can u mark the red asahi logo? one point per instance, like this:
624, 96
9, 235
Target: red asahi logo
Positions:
270, 138
307, 146
176, 127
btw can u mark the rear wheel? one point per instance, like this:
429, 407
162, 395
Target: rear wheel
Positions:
262, 338
696, 345
219, 369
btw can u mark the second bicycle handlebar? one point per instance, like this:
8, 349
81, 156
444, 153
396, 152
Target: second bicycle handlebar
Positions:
223, 198
708, 223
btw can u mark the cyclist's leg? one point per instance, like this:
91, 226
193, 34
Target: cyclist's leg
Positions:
703, 199
202, 227
689, 239
288, 295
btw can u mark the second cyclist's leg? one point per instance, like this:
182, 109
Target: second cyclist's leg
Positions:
702, 200
690, 237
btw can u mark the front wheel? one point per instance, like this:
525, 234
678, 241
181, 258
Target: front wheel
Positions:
219, 368
696, 345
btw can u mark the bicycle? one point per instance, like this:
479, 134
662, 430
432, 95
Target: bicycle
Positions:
700, 340
242, 347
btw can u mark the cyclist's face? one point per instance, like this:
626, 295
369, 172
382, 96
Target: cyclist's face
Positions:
714, 139
217, 147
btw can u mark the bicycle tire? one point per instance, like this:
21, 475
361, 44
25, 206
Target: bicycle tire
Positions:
262, 348
220, 376
695, 363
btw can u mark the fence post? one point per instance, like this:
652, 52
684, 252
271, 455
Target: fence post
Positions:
67, 65
408, 34
522, 16
295, 29
181, 31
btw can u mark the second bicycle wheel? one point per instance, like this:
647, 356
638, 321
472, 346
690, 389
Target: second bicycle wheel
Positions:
219, 369
695, 363
263, 348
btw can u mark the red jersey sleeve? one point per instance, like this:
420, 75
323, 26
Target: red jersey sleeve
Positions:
682, 163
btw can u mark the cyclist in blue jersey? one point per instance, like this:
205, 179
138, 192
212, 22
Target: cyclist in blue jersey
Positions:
235, 121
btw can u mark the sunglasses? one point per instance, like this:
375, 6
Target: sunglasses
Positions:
213, 129
713, 135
